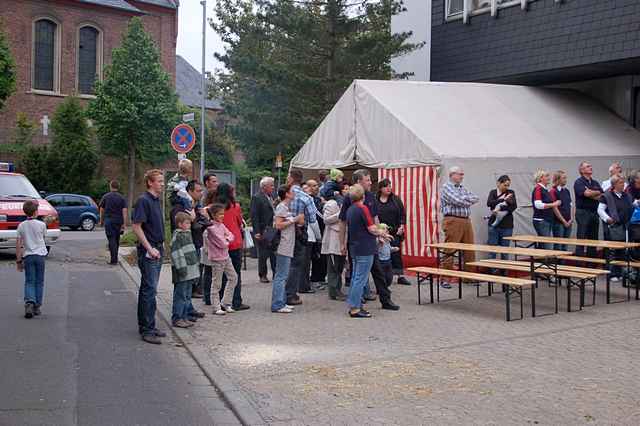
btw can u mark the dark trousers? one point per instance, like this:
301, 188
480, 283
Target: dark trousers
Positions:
318, 264
396, 257
387, 270
149, 277
380, 280
236, 260
299, 271
112, 230
588, 227
265, 253
206, 278
335, 265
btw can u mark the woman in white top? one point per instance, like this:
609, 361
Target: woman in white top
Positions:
285, 222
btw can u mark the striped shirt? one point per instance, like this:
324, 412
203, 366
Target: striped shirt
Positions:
185, 262
303, 203
456, 200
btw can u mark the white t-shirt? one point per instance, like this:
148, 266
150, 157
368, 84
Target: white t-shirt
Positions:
32, 232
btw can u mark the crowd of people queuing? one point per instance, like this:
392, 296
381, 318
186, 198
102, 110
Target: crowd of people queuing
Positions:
318, 234
615, 204
314, 235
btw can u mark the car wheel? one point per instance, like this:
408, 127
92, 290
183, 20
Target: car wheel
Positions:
88, 224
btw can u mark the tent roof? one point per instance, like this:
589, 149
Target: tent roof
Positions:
401, 124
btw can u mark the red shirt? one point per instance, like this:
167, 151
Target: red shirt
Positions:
233, 222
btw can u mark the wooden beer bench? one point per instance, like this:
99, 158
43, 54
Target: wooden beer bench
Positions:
574, 276
513, 285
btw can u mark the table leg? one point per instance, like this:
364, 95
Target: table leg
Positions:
419, 285
460, 266
569, 285
607, 267
533, 299
507, 298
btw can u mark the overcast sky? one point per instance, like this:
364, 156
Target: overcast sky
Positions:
190, 35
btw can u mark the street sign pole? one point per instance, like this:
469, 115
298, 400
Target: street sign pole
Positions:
204, 92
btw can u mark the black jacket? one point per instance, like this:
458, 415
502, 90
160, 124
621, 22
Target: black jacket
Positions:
261, 212
512, 205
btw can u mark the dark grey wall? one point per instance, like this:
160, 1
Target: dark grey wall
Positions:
549, 43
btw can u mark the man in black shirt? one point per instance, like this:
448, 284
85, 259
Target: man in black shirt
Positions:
113, 216
148, 225
262, 218
587, 193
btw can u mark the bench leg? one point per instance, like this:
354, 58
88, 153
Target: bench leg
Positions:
507, 298
419, 285
431, 288
533, 299
521, 304
569, 285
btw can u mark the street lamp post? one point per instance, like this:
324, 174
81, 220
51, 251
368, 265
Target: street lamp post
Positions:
204, 86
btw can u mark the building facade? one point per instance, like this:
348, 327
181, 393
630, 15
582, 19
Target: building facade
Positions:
589, 45
61, 47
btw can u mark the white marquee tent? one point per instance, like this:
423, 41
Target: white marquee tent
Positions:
414, 131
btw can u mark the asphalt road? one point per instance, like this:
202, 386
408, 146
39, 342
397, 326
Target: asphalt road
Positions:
82, 361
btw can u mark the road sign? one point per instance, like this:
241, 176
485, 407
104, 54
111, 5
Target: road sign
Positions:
188, 117
183, 138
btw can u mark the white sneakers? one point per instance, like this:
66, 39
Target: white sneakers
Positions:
223, 310
284, 310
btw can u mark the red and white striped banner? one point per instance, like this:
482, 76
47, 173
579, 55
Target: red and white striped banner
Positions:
417, 187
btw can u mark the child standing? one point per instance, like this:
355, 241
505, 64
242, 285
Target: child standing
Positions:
218, 240
31, 251
185, 270
384, 253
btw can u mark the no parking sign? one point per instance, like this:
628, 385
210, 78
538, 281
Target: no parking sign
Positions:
183, 138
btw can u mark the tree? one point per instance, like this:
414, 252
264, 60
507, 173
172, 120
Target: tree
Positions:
289, 61
72, 152
7, 69
135, 106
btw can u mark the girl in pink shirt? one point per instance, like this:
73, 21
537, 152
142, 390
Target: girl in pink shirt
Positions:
218, 240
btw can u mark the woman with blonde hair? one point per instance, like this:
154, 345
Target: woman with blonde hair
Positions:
563, 213
543, 205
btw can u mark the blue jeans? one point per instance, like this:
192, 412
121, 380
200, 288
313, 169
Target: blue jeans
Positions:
359, 278
149, 276
496, 238
560, 231
278, 293
181, 301
543, 229
33, 279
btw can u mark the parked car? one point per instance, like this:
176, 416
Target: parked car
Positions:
15, 189
75, 211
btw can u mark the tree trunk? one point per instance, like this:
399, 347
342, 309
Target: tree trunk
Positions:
132, 174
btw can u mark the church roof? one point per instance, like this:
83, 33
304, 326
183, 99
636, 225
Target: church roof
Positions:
128, 6
189, 85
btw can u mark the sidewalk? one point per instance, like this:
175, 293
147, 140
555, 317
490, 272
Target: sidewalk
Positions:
454, 363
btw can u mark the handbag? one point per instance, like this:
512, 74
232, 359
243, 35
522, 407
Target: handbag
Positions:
635, 217
247, 242
271, 238
617, 232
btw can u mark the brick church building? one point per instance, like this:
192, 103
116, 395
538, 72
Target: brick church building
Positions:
61, 47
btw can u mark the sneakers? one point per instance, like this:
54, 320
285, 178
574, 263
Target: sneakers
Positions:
360, 314
290, 307
227, 308
264, 280
28, 310
151, 338
182, 324
615, 279
283, 310
220, 311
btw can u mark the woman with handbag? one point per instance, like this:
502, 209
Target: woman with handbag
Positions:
392, 213
331, 246
234, 223
615, 209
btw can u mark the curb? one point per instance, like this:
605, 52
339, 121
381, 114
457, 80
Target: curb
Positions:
231, 394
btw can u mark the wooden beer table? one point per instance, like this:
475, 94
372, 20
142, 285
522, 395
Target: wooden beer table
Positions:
606, 246
538, 258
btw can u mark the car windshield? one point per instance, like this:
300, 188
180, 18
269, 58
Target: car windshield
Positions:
17, 186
